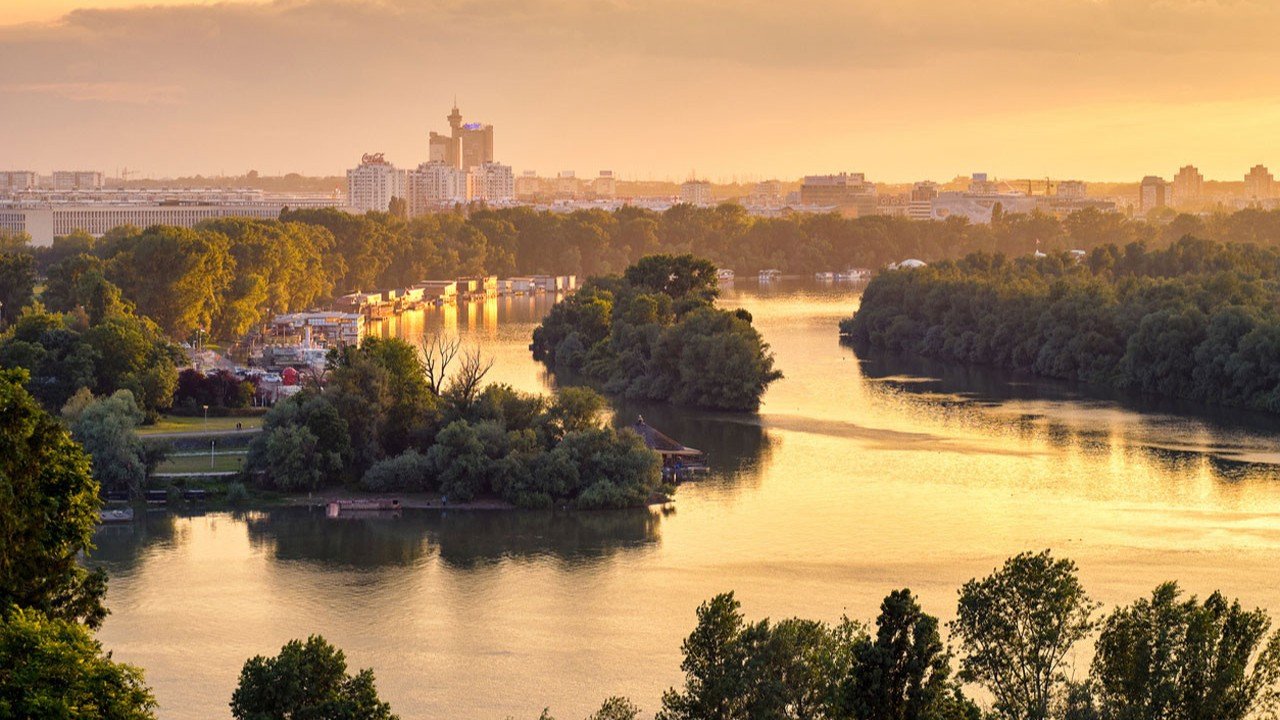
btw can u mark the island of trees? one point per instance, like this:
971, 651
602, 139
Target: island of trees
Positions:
391, 419
1197, 320
653, 333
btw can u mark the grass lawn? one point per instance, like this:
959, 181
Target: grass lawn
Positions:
200, 463
197, 425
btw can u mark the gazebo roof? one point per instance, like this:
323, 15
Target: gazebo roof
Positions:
655, 440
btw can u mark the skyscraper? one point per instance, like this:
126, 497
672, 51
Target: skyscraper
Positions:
1153, 193
466, 146
1259, 183
1188, 185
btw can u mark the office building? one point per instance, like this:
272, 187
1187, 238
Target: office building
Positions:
695, 192
1153, 193
1072, 189
851, 193
372, 185
529, 186
46, 215
466, 146
76, 180
1259, 184
604, 186
566, 184
18, 181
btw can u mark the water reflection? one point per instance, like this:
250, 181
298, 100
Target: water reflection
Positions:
1175, 437
460, 538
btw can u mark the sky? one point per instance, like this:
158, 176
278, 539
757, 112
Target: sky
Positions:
661, 89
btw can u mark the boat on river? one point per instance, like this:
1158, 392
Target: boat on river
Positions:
115, 515
357, 507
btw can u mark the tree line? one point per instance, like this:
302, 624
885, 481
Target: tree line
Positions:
654, 333
224, 276
390, 418
1197, 320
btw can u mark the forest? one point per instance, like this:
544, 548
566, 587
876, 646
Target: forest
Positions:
654, 333
1196, 320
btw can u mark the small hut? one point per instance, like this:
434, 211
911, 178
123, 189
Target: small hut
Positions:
678, 461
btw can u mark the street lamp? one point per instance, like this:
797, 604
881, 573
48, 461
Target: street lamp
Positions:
206, 416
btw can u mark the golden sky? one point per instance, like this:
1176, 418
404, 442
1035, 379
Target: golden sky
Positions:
903, 90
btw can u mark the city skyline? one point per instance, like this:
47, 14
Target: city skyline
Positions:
646, 90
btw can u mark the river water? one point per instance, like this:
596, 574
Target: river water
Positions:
857, 477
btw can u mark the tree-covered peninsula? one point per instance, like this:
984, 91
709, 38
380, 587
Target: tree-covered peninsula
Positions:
1197, 320
654, 333
391, 419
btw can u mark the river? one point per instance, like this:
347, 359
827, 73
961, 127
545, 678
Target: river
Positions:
856, 478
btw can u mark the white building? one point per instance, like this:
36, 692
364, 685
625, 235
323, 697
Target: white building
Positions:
76, 180
48, 214
372, 185
433, 186
566, 184
695, 192
491, 182
18, 180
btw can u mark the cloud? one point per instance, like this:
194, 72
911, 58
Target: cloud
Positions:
106, 92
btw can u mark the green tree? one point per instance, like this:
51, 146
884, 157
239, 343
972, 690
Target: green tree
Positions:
17, 283
1186, 660
48, 512
53, 668
107, 429
616, 708
1015, 628
904, 672
306, 680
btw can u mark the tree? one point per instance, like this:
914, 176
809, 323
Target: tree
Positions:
1015, 628
736, 670
107, 429
17, 282
1186, 660
48, 512
52, 668
904, 673
616, 708
306, 680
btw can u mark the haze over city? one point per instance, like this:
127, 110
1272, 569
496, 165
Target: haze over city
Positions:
1096, 89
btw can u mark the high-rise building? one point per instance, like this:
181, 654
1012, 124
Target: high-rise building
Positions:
695, 192
604, 186
466, 146
920, 204
491, 182
372, 185
76, 180
850, 192
1188, 185
435, 186
1259, 184
1152, 193
18, 180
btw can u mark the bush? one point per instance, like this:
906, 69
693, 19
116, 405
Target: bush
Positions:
237, 494
409, 471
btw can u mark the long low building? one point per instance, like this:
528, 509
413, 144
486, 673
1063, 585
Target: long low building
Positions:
45, 221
